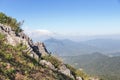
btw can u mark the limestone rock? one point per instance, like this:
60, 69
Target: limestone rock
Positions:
79, 78
94, 78
11, 37
36, 50
42, 49
63, 69
47, 64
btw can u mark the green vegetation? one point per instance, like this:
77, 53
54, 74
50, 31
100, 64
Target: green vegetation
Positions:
77, 72
2, 38
12, 22
16, 65
107, 68
56, 62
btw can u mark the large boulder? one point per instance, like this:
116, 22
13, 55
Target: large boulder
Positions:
79, 78
36, 50
11, 37
42, 49
63, 69
47, 64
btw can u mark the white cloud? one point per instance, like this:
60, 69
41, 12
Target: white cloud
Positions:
42, 34
39, 34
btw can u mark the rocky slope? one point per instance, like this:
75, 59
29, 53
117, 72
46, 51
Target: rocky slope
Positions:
21, 59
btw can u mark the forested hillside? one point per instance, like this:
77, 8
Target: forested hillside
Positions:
97, 64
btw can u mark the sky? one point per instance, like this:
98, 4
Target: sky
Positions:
65, 17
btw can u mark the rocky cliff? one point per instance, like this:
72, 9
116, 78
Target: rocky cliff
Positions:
36, 49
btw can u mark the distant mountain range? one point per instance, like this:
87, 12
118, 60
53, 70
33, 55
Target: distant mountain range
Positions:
99, 57
71, 48
108, 68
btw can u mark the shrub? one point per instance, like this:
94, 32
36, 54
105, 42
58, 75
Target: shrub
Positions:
81, 73
56, 62
8, 56
21, 47
73, 70
2, 38
76, 72
12, 22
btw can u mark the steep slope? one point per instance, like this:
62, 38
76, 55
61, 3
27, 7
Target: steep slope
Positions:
17, 65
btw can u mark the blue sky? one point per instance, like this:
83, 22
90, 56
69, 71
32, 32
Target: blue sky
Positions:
67, 17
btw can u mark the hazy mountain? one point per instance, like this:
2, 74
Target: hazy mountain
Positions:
114, 54
106, 45
67, 47
97, 64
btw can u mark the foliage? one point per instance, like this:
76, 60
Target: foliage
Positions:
16, 65
56, 62
98, 65
76, 72
2, 38
12, 22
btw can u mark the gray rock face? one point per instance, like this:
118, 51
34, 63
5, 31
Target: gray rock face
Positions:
42, 49
94, 78
11, 37
79, 78
36, 50
47, 64
63, 69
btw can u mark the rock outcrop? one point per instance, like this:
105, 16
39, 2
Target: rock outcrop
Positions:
13, 38
36, 50
63, 69
47, 64
42, 49
79, 78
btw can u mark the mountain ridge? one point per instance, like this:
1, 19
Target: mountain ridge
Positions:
106, 46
